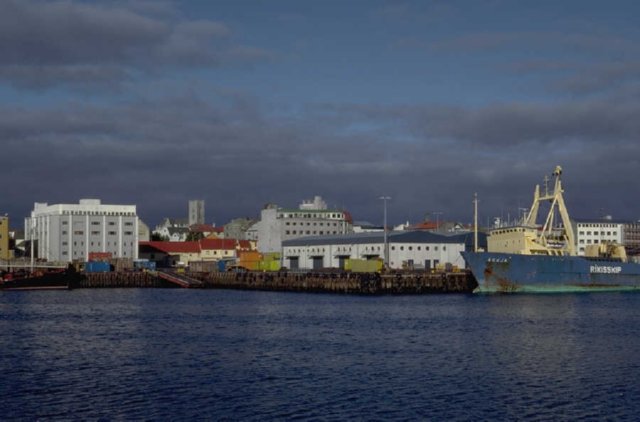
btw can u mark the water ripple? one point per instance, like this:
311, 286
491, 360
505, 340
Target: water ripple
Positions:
170, 354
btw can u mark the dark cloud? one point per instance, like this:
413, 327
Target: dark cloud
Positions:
232, 152
50, 43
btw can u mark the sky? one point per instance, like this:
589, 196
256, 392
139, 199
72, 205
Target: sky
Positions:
245, 103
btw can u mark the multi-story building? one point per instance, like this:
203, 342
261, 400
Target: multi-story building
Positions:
196, 212
312, 218
409, 249
632, 237
70, 232
4, 238
590, 232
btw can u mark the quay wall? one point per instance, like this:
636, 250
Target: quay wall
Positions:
120, 280
351, 283
339, 282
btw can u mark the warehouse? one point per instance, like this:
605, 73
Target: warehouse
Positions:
407, 250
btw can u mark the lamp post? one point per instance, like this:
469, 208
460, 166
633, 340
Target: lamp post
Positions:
386, 244
437, 214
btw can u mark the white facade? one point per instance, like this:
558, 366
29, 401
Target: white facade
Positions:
417, 250
69, 232
597, 231
278, 224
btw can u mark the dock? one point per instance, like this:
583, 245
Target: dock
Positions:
316, 282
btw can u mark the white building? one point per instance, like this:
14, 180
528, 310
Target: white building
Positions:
69, 232
411, 249
590, 232
280, 224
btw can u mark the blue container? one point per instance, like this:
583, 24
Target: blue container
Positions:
97, 267
222, 266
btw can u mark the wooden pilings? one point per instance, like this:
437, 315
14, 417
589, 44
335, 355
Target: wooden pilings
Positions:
120, 279
339, 282
353, 283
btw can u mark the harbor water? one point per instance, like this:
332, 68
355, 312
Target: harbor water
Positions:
175, 354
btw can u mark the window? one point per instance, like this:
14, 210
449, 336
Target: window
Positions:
64, 223
64, 243
78, 232
112, 233
128, 223
393, 248
95, 223
64, 232
111, 223
410, 248
95, 233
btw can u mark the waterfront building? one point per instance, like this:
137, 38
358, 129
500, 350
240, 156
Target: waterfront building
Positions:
311, 218
4, 238
196, 212
144, 234
70, 232
592, 232
407, 250
631, 236
168, 254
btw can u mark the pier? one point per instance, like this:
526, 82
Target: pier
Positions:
344, 282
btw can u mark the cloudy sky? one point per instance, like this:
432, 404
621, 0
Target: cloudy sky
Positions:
242, 103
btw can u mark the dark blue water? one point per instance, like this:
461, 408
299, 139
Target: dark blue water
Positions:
181, 354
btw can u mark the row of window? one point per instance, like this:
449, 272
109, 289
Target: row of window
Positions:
100, 213
309, 232
597, 225
309, 224
314, 215
97, 223
373, 248
96, 233
595, 233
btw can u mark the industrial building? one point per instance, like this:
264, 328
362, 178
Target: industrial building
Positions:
408, 250
70, 232
311, 218
4, 238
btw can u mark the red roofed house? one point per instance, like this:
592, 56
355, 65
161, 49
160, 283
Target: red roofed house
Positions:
169, 254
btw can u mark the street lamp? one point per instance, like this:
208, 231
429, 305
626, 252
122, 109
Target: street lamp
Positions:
386, 244
437, 213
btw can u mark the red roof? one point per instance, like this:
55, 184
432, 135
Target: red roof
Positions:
425, 225
197, 247
203, 228
174, 247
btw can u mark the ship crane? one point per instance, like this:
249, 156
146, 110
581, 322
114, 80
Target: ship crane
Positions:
546, 237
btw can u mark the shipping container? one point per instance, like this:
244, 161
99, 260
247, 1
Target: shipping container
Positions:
97, 267
363, 265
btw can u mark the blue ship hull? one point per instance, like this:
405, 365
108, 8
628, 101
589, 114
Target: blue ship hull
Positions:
504, 272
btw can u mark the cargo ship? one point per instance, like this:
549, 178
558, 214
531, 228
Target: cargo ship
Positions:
537, 258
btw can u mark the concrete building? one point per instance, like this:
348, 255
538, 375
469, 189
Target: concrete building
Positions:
280, 224
411, 249
238, 227
589, 232
196, 212
69, 232
4, 238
